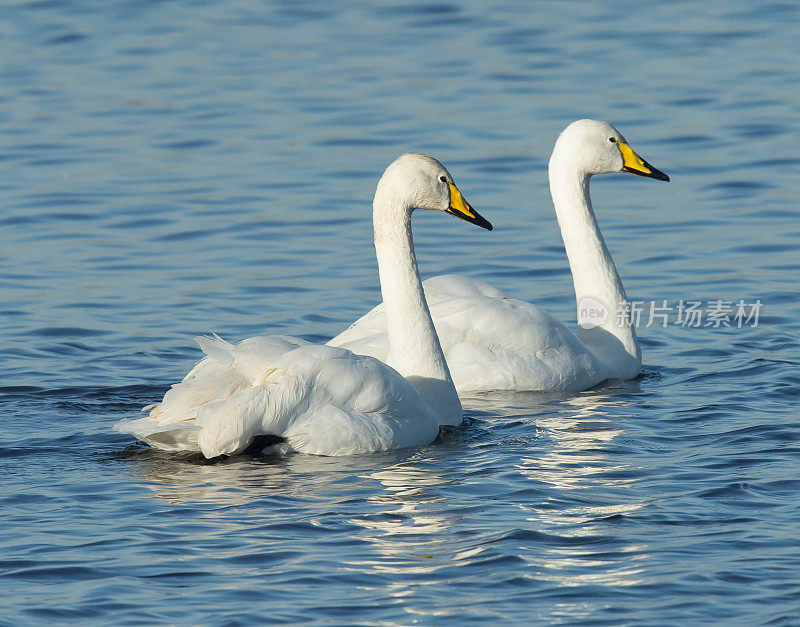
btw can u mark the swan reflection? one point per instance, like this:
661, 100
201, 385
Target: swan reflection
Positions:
406, 518
384, 515
241, 480
579, 460
547, 471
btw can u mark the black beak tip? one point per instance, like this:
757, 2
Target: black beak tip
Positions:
476, 218
656, 173
659, 175
483, 222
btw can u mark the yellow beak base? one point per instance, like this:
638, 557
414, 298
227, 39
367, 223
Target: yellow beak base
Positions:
460, 208
634, 164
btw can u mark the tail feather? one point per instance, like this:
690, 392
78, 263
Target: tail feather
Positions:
170, 437
211, 379
233, 394
216, 348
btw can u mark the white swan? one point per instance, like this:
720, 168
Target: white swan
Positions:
495, 342
320, 399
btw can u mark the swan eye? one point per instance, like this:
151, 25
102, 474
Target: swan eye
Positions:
613, 140
443, 178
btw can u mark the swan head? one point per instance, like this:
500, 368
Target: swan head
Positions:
596, 147
417, 181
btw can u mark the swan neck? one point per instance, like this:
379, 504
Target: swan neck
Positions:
598, 287
415, 351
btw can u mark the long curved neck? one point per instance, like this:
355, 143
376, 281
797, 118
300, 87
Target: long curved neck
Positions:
415, 351
599, 293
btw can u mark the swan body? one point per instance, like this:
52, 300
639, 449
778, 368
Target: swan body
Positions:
494, 342
491, 341
322, 399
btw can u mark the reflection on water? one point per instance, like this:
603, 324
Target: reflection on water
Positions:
229, 482
580, 433
238, 480
579, 460
407, 525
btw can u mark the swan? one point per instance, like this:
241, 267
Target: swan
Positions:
493, 342
322, 399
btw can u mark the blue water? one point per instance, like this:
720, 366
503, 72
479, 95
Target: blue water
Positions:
169, 169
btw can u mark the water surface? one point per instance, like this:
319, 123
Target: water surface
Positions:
170, 169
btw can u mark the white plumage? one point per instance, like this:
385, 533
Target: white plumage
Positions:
494, 342
321, 399
491, 341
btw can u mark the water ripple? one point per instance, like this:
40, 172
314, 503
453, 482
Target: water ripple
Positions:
209, 167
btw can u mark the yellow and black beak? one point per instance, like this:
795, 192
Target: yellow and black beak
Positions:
634, 164
460, 208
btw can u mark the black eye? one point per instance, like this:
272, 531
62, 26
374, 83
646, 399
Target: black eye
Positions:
613, 140
443, 178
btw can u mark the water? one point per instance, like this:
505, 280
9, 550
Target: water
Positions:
171, 169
